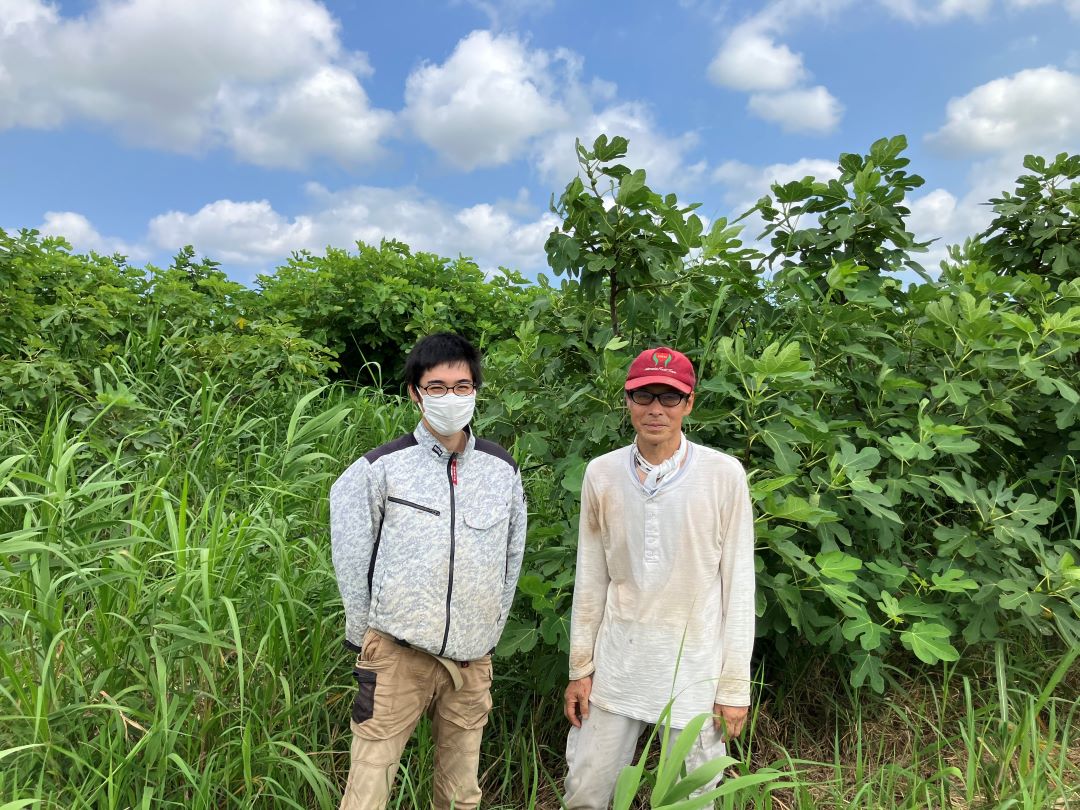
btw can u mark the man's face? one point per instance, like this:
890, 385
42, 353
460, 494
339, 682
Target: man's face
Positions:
447, 374
657, 423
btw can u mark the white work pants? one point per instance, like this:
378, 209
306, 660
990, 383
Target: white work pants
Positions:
605, 744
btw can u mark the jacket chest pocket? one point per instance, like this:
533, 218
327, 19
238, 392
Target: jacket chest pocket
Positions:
488, 519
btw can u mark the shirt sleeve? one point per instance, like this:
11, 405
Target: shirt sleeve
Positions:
515, 548
736, 629
356, 514
591, 581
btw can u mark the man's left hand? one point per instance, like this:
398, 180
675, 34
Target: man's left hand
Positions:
729, 720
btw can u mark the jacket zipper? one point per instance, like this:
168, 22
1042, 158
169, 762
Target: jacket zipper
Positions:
451, 477
403, 502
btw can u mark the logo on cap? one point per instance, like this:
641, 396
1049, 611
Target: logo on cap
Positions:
663, 366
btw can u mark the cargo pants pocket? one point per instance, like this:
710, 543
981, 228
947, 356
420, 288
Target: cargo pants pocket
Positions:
468, 707
363, 706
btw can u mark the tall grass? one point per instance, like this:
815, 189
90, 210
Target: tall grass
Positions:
992, 734
171, 631
171, 622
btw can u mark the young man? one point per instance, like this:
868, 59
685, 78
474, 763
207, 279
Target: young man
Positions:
664, 591
428, 533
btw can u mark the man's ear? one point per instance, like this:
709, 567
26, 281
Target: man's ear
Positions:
413, 395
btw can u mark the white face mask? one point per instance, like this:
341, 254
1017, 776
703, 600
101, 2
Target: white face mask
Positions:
448, 414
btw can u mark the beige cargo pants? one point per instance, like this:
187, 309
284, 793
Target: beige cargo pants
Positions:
396, 685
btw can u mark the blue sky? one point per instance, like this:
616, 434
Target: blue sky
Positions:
254, 128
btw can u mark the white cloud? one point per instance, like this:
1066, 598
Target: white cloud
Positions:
190, 76
779, 16
810, 110
744, 184
990, 177
253, 234
504, 12
233, 232
1072, 6
750, 60
495, 100
483, 105
311, 117
84, 237
490, 233
937, 11
1031, 110
24, 14
940, 216
666, 159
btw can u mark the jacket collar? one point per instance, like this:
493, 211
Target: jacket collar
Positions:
426, 439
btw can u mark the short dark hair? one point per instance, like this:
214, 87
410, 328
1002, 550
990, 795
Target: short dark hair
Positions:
441, 347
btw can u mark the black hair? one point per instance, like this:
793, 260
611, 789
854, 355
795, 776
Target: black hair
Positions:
442, 347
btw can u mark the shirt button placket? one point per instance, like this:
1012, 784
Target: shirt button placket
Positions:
652, 532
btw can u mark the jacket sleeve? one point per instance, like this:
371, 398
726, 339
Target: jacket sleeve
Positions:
356, 513
736, 626
590, 586
515, 548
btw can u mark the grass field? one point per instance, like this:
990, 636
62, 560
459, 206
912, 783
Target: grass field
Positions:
171, 638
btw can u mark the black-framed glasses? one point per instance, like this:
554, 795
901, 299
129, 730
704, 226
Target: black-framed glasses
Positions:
669, 399
462, 389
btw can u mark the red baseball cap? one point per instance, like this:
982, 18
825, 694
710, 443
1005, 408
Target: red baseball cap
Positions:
664, 366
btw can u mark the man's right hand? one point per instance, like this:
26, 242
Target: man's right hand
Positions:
576, 700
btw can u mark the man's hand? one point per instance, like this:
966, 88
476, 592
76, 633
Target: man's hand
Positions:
576, 700
729, 720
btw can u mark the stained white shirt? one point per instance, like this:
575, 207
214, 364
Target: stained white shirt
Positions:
664, 591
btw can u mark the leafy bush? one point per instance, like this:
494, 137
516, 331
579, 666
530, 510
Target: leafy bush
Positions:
66, 317
912, 450
370, 307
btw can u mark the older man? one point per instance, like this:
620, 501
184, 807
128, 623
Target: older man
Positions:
664, 592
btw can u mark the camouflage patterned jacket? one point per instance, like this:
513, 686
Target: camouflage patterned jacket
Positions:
427, 544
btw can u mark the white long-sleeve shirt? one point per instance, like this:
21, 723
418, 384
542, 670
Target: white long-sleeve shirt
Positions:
664, 592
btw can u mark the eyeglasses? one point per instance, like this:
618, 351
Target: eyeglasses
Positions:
462, 389
669, 399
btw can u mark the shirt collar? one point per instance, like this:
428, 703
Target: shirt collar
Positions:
669, 480
426, 439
